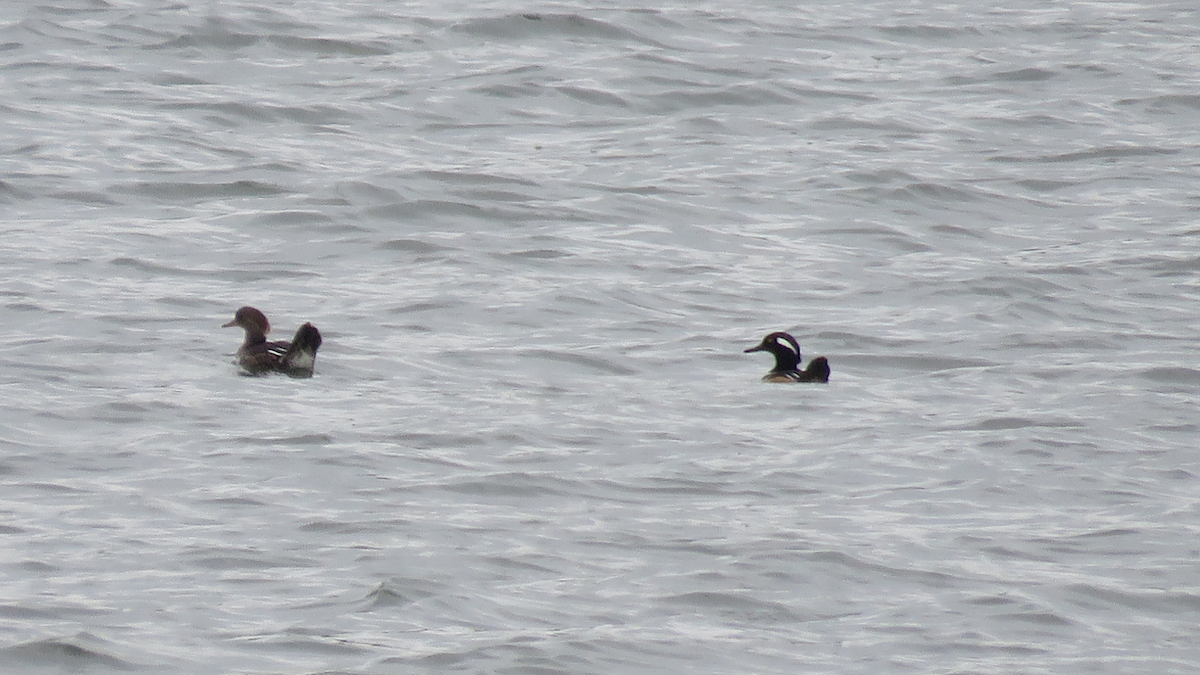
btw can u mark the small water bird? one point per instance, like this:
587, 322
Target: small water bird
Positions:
257, 356
787, 361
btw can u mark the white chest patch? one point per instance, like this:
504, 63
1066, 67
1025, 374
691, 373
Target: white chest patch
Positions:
302, 360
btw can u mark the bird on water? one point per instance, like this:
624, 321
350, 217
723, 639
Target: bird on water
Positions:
787, 361
256, 356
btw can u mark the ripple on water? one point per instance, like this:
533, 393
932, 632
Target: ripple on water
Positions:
82, 652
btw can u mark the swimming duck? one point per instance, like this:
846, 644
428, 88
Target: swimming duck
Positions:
257, 356
787, 361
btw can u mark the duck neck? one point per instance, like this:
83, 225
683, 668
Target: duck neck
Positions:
786, 360
254, 337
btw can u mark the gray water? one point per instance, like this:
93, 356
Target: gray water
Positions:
537, 238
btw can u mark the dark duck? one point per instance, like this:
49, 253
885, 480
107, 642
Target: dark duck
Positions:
787, 361
257, 356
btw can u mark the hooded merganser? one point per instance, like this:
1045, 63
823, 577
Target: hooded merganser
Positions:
787, 361
257, 356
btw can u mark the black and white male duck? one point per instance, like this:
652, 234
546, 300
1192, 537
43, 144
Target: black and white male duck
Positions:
787, 361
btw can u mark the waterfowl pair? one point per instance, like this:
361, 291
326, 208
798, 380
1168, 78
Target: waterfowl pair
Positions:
256, 356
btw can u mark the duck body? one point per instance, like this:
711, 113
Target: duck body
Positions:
787, 361
257, 356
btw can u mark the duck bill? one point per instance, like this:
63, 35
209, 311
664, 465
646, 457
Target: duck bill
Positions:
231, 324
759, 348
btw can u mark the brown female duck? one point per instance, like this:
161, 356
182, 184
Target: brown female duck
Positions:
257, 356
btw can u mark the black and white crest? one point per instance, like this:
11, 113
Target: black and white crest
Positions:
787, 342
